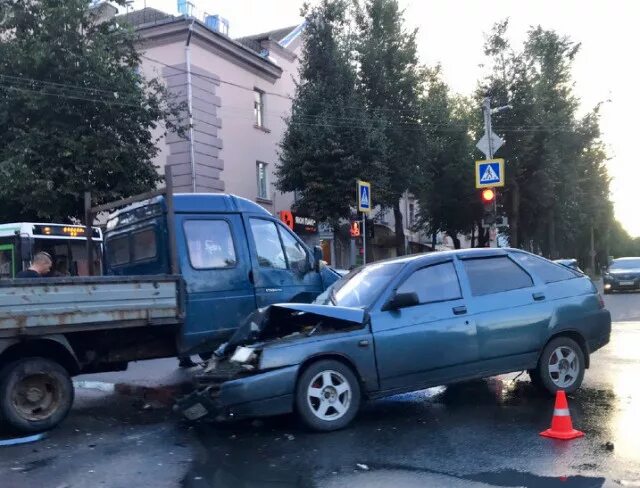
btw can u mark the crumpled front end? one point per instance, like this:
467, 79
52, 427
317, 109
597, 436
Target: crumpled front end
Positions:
236, 382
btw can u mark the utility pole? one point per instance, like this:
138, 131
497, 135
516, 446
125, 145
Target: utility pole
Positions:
489, 144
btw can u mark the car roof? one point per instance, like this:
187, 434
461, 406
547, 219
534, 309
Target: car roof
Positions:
628, 258
433, 257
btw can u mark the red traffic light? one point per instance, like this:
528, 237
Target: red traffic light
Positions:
488, 195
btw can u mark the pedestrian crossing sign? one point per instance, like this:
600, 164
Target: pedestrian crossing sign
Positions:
489, 173
364, 196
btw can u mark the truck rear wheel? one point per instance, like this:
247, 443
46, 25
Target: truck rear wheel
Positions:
36, 394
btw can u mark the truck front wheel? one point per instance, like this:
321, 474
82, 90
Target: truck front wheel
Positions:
36, 394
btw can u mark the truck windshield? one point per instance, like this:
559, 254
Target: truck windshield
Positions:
360, 288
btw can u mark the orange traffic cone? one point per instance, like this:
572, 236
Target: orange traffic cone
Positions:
561, 426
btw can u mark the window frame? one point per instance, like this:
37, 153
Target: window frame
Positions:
284, 252
533, 278
258, 108
131, 246
123, 236
266, 180
431, 265
574, 274
233, 243
281, 229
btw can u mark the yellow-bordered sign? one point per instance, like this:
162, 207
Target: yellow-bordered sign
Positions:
490, 173
364, 196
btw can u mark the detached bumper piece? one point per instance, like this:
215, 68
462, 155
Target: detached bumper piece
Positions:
262, 394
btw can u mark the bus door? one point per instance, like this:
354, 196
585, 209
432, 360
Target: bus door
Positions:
7, 261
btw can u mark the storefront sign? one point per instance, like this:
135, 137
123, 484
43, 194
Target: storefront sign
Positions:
300, 224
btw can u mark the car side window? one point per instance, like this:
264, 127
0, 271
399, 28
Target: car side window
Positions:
433, 284
118, 250
210, 244
296, 254
495, 275
268, 245
547, 271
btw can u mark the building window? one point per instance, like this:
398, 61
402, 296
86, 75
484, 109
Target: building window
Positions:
258, 107
262, 180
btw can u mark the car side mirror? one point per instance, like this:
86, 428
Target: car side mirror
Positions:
402, 300
317, 257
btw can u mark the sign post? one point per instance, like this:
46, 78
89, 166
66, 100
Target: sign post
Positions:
364, 206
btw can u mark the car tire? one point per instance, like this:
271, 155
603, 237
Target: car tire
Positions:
327, 395
36, 394
607, 292
561, 366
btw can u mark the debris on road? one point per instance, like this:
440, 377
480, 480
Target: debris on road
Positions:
363, 467
22, 440
289, 437
608, 446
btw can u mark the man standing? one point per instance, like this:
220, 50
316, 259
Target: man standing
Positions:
40, 266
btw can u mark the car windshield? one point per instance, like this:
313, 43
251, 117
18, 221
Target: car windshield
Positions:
360, 287
625, 264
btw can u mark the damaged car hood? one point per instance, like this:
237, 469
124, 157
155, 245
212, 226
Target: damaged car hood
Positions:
283, 320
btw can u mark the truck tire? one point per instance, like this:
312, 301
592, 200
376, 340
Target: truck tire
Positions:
36, 394
561, 366
327, 395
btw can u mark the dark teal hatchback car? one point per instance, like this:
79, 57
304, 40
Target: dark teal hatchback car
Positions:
406, 324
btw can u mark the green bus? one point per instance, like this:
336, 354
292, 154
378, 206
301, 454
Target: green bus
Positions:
66, 244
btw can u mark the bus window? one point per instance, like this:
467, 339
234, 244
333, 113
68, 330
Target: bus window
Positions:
7, 261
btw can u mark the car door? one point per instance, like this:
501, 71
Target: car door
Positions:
215, 265
509, 309
426, 343
281, 264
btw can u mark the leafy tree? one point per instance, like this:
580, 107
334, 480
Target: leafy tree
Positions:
391, 82
444, 184
330, 139
75, 113
557, 184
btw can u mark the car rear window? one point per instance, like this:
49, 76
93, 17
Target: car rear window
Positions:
495, 275
547, 271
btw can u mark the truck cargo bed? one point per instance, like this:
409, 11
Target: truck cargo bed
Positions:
35, 306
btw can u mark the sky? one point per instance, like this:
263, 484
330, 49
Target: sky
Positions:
452, 33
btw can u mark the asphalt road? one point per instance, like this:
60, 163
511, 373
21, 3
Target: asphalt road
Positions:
479, 434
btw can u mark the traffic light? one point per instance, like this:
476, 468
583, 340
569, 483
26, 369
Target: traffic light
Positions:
355, 228
488, 197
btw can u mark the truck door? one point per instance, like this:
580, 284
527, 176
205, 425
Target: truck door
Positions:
282, 266
215, 263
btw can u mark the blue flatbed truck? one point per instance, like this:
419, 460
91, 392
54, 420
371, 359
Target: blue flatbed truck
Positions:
180, 273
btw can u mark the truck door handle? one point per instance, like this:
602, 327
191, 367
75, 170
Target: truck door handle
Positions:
538, 296
251, 276
460, 310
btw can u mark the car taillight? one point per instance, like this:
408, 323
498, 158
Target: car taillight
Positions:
600, 300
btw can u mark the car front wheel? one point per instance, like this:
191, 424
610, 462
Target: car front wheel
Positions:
561, 366
327, 395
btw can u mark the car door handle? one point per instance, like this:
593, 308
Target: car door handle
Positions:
538, 296
460, 310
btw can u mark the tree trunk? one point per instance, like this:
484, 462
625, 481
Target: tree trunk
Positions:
454, 238
397, 215
515, 215
473, 236
434, 239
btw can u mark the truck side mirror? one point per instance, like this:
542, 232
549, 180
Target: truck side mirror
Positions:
317, 257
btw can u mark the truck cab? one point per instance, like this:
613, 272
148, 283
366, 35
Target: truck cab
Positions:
233, 257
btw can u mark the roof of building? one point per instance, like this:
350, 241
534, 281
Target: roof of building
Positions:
253, 41
145, 16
